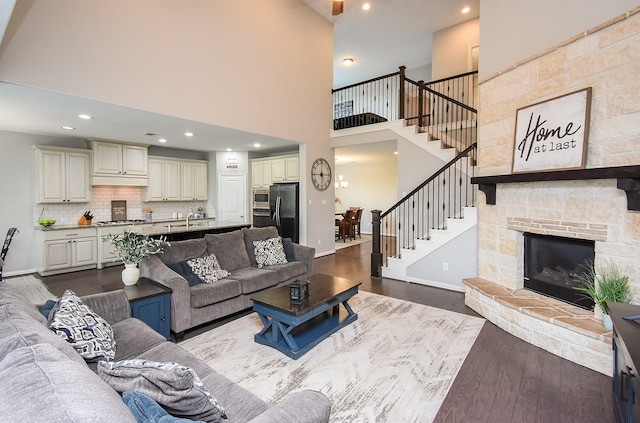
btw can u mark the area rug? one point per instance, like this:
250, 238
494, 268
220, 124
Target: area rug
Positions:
353, 242
396, 363
32, 288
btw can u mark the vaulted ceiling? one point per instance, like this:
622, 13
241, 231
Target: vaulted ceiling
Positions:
390, 34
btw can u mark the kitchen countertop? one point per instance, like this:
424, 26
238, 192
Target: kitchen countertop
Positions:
155, 227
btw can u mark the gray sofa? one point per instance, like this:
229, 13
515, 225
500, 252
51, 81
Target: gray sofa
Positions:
195, 305
43, 378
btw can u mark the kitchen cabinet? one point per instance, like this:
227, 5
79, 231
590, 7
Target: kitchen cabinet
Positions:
62, 175
194, 180
176, 180
69, 249
119, 164
285, 169
265, 172
164, 180
260, 173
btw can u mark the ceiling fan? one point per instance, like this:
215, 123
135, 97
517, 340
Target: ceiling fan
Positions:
338, 6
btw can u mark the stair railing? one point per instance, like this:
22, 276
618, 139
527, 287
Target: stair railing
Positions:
427, 207
446, 107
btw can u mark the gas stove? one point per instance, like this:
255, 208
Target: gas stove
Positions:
120, 222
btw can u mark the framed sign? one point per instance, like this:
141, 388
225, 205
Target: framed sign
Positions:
344, 109
552, 135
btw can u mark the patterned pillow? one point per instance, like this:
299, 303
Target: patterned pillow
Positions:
177, 388
207, 268
89, 334
269, 252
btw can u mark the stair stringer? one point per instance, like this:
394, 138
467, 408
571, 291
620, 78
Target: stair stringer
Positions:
397, 266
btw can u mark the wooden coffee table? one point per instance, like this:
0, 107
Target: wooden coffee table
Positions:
296, 328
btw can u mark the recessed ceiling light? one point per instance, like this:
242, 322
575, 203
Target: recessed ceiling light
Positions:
162, 140
68, 127
347, 61
366, 6
228, 149
466, 10
85, 117
395, 152
256, 145
188, 134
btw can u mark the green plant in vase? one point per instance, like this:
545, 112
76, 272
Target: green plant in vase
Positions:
132, 248
603, 283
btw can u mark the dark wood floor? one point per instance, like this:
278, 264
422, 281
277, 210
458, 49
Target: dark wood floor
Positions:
503, 379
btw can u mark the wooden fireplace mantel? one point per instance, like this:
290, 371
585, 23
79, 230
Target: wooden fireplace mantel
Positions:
628, 180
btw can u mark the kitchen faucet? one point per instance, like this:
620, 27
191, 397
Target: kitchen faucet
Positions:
189, 215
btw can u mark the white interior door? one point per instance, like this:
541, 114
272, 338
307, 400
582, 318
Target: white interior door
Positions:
232, 198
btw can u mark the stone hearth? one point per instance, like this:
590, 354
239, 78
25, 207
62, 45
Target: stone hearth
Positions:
565, 330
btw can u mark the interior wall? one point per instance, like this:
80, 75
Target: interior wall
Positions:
415, 165
451, 48
514, 30
371, 186
203, 61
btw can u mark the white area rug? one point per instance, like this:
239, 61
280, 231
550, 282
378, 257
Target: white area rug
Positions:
32, 288
396, 363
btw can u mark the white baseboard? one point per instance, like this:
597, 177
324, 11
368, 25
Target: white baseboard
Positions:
436, 284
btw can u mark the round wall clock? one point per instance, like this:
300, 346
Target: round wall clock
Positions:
321, 174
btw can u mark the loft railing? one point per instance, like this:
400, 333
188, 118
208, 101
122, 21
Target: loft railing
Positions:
442, 196
446, 106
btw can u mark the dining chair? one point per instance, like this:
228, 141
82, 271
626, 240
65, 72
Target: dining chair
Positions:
5, 247
356, 221
345, 227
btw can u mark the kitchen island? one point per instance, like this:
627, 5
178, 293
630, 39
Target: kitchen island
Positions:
74, 247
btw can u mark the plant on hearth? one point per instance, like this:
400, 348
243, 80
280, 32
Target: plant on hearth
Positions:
132, 247
605, 282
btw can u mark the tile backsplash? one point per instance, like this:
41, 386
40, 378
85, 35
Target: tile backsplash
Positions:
100, 206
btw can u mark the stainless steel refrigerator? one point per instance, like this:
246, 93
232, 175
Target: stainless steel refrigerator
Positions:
285, 209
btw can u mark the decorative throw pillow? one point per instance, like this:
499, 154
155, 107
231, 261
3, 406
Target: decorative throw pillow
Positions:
146, 410
207, 268
183, 269
287, 243
175, 387
269, 252
89, 334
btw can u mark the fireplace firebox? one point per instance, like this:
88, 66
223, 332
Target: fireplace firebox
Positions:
553, 267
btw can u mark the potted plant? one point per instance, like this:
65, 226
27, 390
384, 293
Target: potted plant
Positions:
131, 248
606, 283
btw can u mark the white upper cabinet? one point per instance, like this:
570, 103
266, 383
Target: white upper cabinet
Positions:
119, 164
62, 175
176, 180
291, 168
265, 172
194, 180
260, 173
164, 180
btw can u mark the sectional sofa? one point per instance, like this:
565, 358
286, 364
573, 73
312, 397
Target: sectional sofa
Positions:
44, 378
194, 303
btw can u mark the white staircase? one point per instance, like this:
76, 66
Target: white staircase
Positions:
397, 267
434, 141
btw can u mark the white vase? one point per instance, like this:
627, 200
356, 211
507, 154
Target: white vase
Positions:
606, 321
130, 274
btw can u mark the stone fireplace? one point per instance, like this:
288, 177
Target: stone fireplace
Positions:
607, 59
